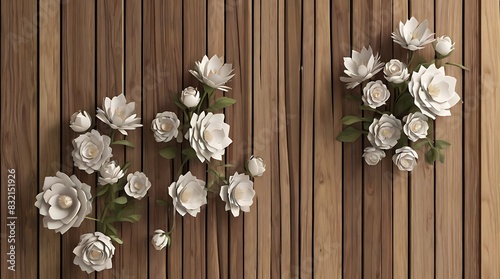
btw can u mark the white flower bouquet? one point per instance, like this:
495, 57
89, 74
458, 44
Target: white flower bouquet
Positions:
422, 92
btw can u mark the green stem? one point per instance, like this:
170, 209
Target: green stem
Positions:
173, 223
93, 219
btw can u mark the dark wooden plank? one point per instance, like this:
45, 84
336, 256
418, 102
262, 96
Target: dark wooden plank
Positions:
19, 115
78, 93
49, 127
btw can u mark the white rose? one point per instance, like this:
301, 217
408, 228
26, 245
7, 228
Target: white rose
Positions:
385, 132
188, 194
118, 114
160, 240
413, 35
238, 194
94, 252
256, 166
443, 46
64, 202
165, 126
91, 151
213, 73
416, 126
373, 155
375, 94
137, 185
405, 158
110, 173
80, 121
396, 71
361, 66
190, 97
208, 135
434, 91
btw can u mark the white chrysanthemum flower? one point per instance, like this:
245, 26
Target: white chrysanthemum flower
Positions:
385, 132
238, 194
64, 202
375, 94
118, 114
80, 121
110, 173
434, 91
405, 158
91, 151
413, 35
416, 126
373, 155
396, 71
94, 252
137, 185
361, 66
213, 73
165, 126
188, 194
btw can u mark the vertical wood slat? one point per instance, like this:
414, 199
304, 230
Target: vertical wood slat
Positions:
49, 127
449, 184
490, 101
327, 230
78, 93
19, 111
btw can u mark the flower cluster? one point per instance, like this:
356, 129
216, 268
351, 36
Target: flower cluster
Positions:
422, 92
65, 201
207, 136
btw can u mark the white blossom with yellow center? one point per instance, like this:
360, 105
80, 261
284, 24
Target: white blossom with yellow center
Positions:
405, 158
188, 194
165, 126
137, 185
119, 114
385, 132
91, 151
375, 94
239, 194
416, 126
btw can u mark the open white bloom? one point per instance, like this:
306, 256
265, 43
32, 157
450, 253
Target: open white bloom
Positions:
238, 194
385, 132
160, 240
190, 97
109, 173
213, 73
375, 94
416, 126
443, 46
137, 185
396, 71
256, 166
373, 155
405, 158
362, 66
80, 121
94, 252
434, 91
413, 35
91, 151
188, 194
208, 135
118, 114
64, 202
165, 126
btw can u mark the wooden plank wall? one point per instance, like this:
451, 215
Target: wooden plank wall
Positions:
320, 212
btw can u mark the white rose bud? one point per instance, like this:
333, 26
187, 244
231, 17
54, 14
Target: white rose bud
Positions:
416, 126
80, 121
110, 173
443, 46
160, 240
375, 94
256, 166
396, 71
190, 97
373, 155
385, 132
405, 158
137, 185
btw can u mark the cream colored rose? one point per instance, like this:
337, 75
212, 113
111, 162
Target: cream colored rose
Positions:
91, 151
375, 94
165, 126
238, 194
405, 158
416, 126
396, 71
188, 194
385, 132
109, 173
137, 185
94, 252
373, 155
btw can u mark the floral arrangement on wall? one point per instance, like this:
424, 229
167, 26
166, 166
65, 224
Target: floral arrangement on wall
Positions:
422, 92
65, 202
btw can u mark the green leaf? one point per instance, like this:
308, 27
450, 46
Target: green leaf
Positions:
419, 144
221, 103
403, 141
457, 65
169, 152
120, 200
134, 217
227, 166
162, 202
349, 134
103, 190
126, 166
178, 103
124, 142
189, 153
352, 97
351, 119
441, 157
441, 144
403, 105
116, 239
112, 229
432, 155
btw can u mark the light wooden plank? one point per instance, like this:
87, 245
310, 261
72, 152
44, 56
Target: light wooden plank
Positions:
422, 238
472, 132
19, 115
449, 207
135, 236
490, 101
49, 127
327, 227
78, 93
